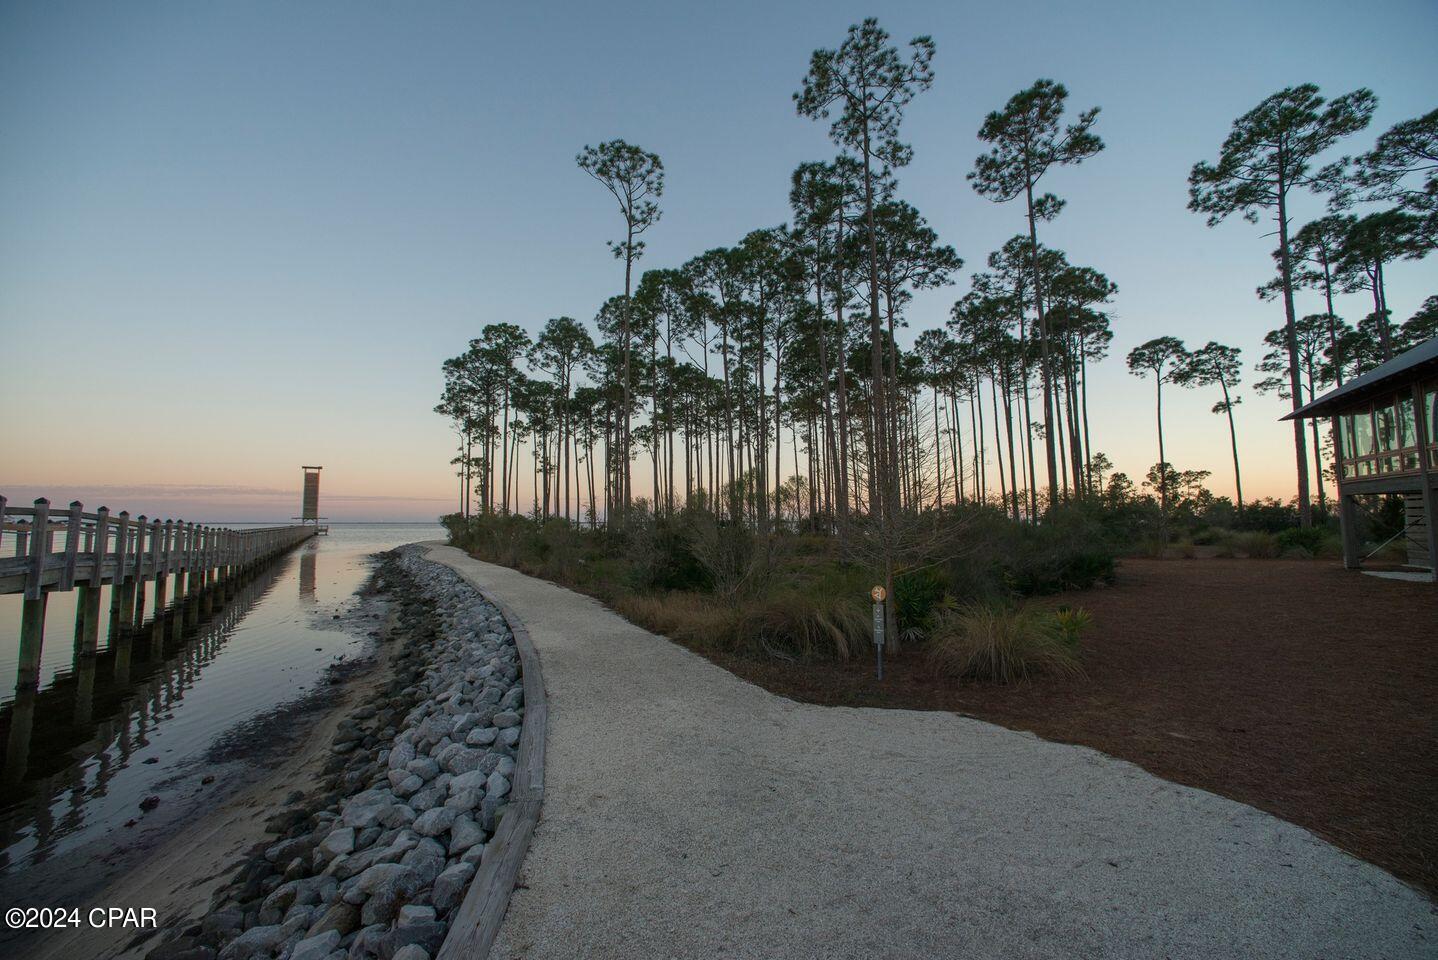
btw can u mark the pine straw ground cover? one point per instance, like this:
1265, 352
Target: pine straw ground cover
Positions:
1294, 686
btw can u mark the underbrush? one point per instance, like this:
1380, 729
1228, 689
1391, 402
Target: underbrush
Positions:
720, 586
787, 626
1005, 643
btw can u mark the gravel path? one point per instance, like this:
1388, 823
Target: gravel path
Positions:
690, 814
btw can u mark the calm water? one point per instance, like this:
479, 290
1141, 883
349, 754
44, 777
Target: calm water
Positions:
94, 756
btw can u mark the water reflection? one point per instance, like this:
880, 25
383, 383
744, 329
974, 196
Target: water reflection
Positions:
102, 711
308, 571
115, 722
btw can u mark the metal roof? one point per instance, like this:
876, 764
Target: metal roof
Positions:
1414, 362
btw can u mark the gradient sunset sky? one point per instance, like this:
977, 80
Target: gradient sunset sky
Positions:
238, 238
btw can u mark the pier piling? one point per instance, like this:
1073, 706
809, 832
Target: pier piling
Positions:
180, 572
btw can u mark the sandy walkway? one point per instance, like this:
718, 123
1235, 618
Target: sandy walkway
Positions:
690, 814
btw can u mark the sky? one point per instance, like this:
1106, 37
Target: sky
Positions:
239, 238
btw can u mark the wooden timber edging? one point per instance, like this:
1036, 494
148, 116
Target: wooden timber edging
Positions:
476, 922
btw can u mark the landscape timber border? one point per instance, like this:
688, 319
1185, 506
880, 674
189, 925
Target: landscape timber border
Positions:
476, 923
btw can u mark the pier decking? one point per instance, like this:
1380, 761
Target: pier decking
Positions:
102, 549
75, 550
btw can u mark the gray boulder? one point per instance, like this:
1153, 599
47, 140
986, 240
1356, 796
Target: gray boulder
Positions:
426, 936
413, 913
337, 843
473, 780
427, 768
450, 886
400, 754
341, 917
361, 888
409, 784
256, 940
463, 834
432, 823
317, 947
481, 736
497, 785
464, 760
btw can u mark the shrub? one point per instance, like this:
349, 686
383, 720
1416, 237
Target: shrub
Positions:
662, 551
1000, 643
1309, 539
1210, 536
733, 556
1256, 545
1330, 548
1068, 551
803, 627
1072, 622
917, 597
788, 626
687, 617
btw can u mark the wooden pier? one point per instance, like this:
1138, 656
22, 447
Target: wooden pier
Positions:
75, 550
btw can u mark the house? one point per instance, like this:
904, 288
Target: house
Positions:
1385, 425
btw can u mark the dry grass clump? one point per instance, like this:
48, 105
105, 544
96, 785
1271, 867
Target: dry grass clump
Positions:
686, 617
1002, 643
788, 626
1256, 545
802, 627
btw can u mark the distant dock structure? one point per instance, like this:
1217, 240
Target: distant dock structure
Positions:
188, 570
310, 502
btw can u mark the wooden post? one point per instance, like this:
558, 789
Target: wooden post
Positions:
137, 580
32, 638
162, 566
87, 642
17, 744
117, 580
39, 548
1348, 525
207, 580
177, 564
232, 570
1430, 493
72, 545
102, 546
192, 575
32, 641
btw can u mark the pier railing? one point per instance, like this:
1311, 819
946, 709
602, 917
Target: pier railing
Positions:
43, 552
58, 551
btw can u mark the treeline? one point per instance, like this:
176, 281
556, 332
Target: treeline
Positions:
765, 381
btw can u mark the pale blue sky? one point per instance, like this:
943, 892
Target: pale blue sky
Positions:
243, 237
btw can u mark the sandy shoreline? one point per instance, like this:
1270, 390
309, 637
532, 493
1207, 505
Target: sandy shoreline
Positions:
179, 876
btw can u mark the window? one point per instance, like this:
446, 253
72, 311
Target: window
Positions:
1385, 424
1407, 424
1383, 439
1362, 432
1430, 411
